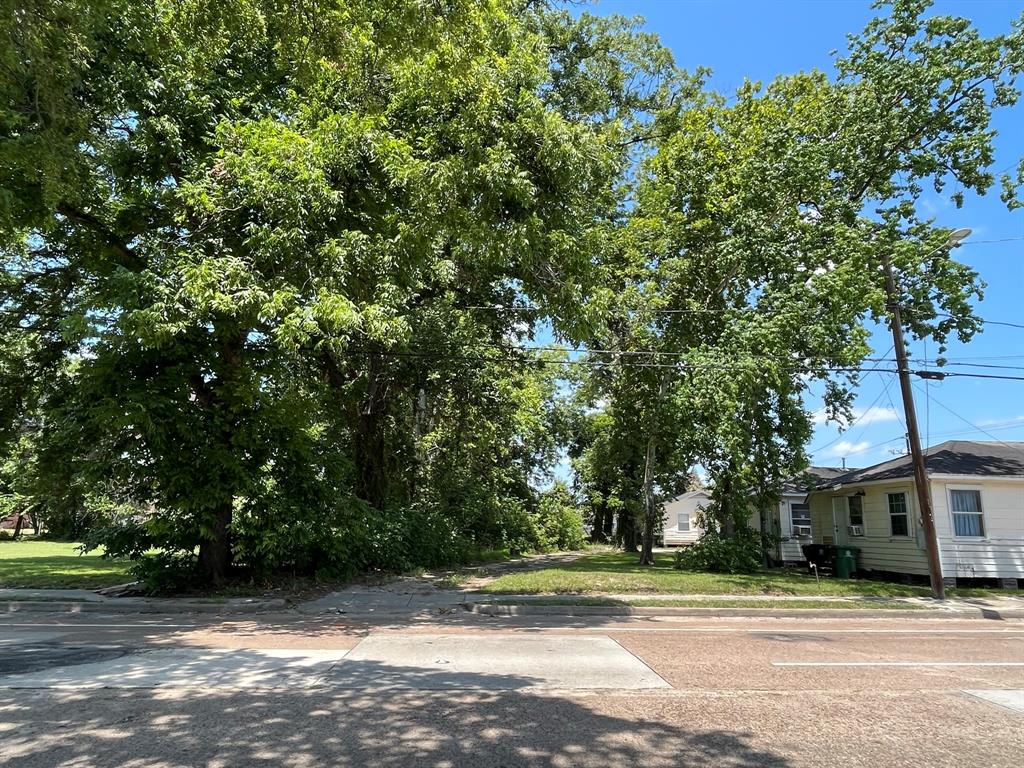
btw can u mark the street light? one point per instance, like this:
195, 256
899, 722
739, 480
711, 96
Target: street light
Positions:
924, 496
956, 237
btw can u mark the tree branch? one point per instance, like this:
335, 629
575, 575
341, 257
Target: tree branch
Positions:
127, 257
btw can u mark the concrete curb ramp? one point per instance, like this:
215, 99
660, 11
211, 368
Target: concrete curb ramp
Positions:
493, 609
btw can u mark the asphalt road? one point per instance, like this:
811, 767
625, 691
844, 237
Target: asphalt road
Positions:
469, 690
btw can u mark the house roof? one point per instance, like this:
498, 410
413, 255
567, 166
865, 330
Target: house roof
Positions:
811, 478
953, 457
692, 495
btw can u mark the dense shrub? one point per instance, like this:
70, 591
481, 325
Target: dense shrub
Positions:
561, 521
167, 572
739, 553
520, 529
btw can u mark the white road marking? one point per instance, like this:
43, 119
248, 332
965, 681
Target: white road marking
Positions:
813, 630
898, 663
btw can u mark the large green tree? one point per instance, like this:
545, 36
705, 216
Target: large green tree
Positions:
260, 228
752, 262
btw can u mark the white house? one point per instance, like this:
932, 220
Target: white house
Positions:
679, 518
977, 491
791, 519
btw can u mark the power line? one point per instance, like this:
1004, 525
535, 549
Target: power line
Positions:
931, 374
850, 426
681, 365
1002, 427
799, 368
994, 240
984, 365
976, 427
982, 320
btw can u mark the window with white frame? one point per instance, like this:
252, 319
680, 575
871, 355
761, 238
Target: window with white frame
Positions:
967, 515
683, 522
857, 510
899, 514
800, 518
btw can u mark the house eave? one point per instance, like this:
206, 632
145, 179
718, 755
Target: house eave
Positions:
909, 479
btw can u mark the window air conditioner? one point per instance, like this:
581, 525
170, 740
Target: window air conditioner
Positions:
801, 530
856, 530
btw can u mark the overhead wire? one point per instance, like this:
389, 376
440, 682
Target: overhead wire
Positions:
973, 425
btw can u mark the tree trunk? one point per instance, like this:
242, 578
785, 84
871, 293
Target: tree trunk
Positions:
371, 459
419, 429
650, 507
601, 531
627, 531
652, 512
597, 529
215, 552
728, 529
371, 449
217, 397
18, 525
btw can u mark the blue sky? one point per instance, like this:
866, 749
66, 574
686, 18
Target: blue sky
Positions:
759, 40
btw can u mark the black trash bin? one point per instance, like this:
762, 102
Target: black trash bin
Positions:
821, 556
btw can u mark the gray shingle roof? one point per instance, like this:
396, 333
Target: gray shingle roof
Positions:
954, 457
812, 477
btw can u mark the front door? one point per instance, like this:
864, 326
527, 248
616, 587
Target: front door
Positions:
840, 520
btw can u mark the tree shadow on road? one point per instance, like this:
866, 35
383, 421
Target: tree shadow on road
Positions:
488, 720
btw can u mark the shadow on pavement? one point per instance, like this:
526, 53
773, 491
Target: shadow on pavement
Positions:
407, 728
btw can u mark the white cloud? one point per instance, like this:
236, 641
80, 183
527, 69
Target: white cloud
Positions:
846, 448
876, 415
1001, 422
862, 416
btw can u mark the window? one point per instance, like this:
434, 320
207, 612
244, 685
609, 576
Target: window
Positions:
800, 514
800, 517
899, 515
683, 523
967, 519
856, 510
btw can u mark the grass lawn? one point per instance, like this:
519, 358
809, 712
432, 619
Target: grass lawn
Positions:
618, 573
57, 564
729, 602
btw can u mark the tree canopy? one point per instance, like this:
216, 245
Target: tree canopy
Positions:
272, 270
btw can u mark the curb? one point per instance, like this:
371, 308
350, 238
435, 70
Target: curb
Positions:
112, 606
490, 609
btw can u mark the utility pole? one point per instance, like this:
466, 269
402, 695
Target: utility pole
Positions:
924, 497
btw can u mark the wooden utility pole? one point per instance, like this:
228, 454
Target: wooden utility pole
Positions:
924, 497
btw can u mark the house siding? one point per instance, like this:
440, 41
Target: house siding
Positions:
1000, 552
673, 537
790, 546
879, 550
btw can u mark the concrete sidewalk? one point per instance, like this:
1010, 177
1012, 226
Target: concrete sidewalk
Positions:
419, 594
410, 597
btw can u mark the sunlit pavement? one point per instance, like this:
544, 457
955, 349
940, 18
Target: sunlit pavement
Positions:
460, 689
